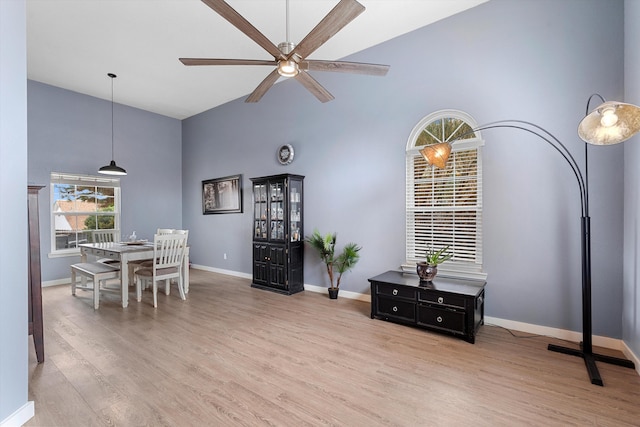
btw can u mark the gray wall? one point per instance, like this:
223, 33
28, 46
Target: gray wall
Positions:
71, 132
631, 292
13, 222
503, 59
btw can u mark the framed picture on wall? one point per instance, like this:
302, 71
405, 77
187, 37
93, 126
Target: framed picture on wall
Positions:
222, 195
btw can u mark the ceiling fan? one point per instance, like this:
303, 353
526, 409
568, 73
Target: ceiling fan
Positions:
290, 59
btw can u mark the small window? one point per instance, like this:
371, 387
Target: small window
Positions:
80, 205
444, 206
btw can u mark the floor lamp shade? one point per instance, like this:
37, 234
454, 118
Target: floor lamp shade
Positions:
112, 168
610, 123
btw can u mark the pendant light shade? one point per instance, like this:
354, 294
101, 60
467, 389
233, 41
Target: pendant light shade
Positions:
610, 123
112, 168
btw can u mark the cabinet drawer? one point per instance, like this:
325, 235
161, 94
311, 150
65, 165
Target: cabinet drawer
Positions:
449, 320
398, 309
396, 291
442, 298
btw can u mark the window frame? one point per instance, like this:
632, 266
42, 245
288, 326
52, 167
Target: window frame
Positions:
456, 268
80, 180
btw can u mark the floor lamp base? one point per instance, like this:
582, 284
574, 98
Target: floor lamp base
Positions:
590, 359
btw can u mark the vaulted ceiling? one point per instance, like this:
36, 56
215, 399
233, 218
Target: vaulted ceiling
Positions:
73, 44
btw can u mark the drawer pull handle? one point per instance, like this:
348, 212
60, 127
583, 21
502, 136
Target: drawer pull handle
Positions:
439, 319
395, 308
440, 300
395, 292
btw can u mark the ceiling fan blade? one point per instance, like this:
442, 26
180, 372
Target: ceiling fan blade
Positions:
212, 61
313, 86
345, 67
343, 13
263, 87
237, 20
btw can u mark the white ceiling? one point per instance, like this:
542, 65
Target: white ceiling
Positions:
73, 44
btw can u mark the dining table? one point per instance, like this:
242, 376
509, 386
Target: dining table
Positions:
125, 252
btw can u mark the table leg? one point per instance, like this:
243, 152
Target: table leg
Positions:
185, 270
83, 279
124, 279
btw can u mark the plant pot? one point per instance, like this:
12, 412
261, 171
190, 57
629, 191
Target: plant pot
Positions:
333, 293
426, 272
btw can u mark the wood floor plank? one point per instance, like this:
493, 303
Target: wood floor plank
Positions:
232, 355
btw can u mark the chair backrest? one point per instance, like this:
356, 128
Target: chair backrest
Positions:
171, 231
168, 250
183, 232
105, 236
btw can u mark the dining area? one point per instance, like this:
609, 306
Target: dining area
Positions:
110, 263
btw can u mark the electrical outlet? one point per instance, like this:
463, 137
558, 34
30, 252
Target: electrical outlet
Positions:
225, 256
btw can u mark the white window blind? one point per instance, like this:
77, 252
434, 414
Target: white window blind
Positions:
444, 207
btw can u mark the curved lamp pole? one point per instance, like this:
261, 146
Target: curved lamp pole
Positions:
593, 130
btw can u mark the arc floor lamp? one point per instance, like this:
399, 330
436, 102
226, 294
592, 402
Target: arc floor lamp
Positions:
610, 123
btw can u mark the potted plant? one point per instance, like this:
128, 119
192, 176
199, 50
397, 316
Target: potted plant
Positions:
345, 261
428, 269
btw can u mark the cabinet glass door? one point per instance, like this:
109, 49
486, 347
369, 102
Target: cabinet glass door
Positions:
260, 211
276, 196
295, 210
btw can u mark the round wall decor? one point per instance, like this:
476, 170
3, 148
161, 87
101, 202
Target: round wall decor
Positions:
285, 154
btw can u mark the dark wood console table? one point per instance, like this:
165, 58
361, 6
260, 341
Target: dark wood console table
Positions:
449, 305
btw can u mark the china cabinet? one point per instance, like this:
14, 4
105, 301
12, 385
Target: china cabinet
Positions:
278, 234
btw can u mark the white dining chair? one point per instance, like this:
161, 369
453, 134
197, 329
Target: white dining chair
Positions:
168, 255
106, 236
134, 265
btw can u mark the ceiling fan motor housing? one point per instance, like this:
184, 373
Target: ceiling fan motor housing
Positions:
286, 47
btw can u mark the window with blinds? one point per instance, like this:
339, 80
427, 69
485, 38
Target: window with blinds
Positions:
444, 206
80, 205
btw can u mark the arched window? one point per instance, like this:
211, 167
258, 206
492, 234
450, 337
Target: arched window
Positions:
444, 206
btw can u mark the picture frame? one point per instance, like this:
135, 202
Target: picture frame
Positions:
222, 195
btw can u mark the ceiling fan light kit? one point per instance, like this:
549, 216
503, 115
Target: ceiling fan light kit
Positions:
289, 59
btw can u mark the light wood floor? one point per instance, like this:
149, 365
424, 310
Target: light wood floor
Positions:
232, 355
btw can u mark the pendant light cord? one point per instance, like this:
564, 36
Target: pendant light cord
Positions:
113, 76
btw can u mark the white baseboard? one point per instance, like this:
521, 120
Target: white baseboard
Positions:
631, 356
342, 294
58, 282
221, 271
19, 417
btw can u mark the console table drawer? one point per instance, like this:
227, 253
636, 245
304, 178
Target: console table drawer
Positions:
396, 291
441, 318
442, 298
397, 309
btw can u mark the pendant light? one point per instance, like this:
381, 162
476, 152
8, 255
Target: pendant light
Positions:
112, 168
